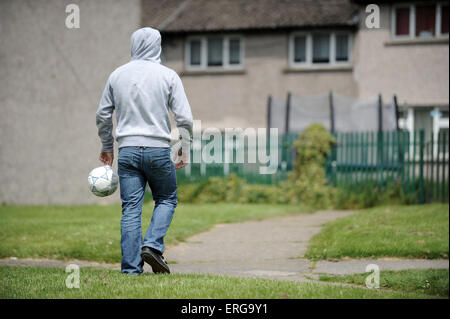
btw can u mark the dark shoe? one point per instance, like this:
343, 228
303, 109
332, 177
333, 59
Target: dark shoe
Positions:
155, 260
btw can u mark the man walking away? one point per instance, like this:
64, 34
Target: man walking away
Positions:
142, 92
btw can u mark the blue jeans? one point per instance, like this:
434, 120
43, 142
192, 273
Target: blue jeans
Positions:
137, 167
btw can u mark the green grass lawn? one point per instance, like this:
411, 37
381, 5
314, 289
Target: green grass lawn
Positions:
93, 232
38, 282
396, 231
432, 282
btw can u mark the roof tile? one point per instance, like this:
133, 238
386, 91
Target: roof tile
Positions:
207, 15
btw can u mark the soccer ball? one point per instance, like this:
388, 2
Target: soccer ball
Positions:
103, 181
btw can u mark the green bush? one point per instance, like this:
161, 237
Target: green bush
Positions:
369, 194
221, 190
307, 182
230, 189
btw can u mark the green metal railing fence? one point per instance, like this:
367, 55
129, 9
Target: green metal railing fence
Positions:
249, 171
417, 162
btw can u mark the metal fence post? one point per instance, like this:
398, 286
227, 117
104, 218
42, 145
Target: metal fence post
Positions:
438, 162
380, 144
400, 154
269, 114
421, 148
332, 125
288, 113
286, 130
444, 146
333, 155
380, 113
396, 112
448, 172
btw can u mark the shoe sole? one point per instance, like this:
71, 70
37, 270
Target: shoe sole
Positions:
157, 267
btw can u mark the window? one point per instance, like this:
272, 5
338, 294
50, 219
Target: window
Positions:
402, 21
444, 20
320, 49
420, 20
235, 51
425, 21
195, 52
300, 49
342, 48
215, 52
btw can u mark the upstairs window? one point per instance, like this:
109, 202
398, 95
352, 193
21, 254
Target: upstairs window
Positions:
425, 21
235, 51
195, 52
300, 49
342, 48
420, 20
444, 20
402, 21
320, 49
215, 52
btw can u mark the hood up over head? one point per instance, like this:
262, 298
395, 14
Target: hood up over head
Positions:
146, 45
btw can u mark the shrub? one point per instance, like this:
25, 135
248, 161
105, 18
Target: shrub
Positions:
219, 189
369, 194
307, 182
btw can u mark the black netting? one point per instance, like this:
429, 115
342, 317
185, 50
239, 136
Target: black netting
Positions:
354, 114
309, 109
389, 116
350, 114
278, 115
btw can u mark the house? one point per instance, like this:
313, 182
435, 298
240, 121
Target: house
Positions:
232, 54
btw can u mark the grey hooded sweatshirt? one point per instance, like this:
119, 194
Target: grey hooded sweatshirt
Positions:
142, 92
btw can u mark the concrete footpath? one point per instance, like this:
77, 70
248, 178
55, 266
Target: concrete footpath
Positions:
270, 249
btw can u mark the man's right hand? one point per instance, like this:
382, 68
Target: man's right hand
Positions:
107, 158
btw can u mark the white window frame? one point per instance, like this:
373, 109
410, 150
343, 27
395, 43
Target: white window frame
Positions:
204, 53
309, 50
412, 21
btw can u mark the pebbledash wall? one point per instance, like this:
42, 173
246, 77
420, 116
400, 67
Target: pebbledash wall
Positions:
51, 79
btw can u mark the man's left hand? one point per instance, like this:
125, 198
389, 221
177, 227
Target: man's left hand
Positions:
182, 160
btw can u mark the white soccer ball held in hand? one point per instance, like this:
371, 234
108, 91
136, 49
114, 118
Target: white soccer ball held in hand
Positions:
103, 181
